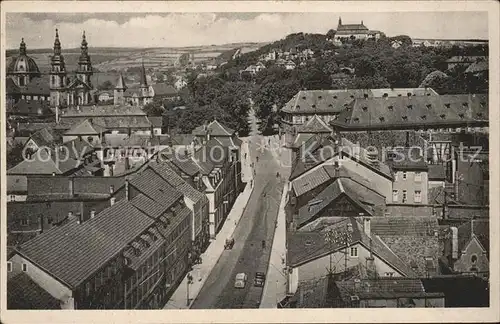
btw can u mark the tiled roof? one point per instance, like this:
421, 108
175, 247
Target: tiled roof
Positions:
364, 197
87, 127
314, 125
130, 92
351, 27
37, 86
46, 137
300, 139
11, 87
211, 153
148, 206
381, 288
30, 107
176, 181
437, 172
155, 187
479, 66
120, 84
319, 149
17, 184
185, 163
45, 163
215, 128
407, 159
24, 293
310, 181
163, 89
182, 139
446, 110
125, 140
480, 228
111, 122
465, 59
103, 111
307, 246
411, 238
156, 121
73, 252
228, 141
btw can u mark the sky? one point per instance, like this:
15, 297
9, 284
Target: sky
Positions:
191, 29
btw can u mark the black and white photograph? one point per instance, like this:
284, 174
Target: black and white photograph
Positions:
265, 160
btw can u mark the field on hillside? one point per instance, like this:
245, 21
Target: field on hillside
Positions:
119, 59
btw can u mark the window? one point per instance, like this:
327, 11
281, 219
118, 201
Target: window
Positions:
404, 175
389, 274
25, 267
24, 222
394, 195
354, 252
473, 259
418, 176
9, 266
418, 196
405, 196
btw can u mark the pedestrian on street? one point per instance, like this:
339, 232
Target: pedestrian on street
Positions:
257, 159
245, 156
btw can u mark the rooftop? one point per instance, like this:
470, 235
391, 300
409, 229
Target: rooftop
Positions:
215, 128
479, 228
103, 111
24, 293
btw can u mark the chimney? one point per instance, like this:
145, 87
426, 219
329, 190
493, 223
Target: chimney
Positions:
454, 243
367, 226
111, 189
357, 285
40, 222
79, 218
409, 95
365, 95
127, 163
112, 201
71, 187
370, 267
70, 216
92, 213
127, 193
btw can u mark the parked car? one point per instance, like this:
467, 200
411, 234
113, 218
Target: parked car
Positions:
259, 280
229, 244
240, 280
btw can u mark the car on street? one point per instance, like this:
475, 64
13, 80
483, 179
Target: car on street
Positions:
240, 280
260, 279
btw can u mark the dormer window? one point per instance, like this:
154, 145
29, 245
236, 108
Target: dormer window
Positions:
330, 106
428, 94
465, 104
479, 114
352, 96
356, 120
424, 117
304, 98
335, 97
297, 107
405, 118
382, 119
482, 104
313, 106
447, 105
429, 106
365, 108
365, 96
399, 95
385, 95
410, 106
390, 107
347, 119
461, 116
443, 116
320, 97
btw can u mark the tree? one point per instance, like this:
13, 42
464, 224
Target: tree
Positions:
154, 109
331, 33
106, 85
436, 80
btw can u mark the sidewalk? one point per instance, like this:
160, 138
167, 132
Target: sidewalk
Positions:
201, 271
275, 286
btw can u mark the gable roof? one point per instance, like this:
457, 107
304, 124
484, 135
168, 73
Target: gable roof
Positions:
24, 293
306, 246
73, 252
314, 125
215, 128
479, 66
77, 83
163, 89
45, 137
479, 228
155, 187
405, 111
365, 198
437, 172
46, 162
412, 238
87, 127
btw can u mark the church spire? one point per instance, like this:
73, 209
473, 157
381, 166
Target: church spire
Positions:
84, 56
57, 44
144, 82
120, 85
340, 21
22, 47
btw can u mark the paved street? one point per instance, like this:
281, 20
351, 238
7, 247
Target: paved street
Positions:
257, 223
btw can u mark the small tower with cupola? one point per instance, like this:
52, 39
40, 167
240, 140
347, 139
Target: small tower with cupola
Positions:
58, 77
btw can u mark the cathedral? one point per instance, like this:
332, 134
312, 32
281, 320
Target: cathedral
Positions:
64, 91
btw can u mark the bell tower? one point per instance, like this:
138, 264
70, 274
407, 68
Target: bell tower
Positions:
84, 64
84, 71
58, 77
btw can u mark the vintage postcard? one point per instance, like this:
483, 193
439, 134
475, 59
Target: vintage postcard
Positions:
249, 161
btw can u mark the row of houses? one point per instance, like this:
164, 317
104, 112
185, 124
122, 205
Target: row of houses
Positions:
166, 209
370, 204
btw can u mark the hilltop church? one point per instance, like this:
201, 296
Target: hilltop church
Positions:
355, 31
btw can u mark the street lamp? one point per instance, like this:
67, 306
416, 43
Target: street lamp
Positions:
189, 282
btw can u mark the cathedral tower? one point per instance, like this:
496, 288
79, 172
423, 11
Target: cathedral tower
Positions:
118, 97
58, 77
84, 65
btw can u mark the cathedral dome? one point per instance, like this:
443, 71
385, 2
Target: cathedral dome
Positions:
23, 64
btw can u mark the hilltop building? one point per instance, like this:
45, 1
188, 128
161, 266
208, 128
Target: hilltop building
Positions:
355, 31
